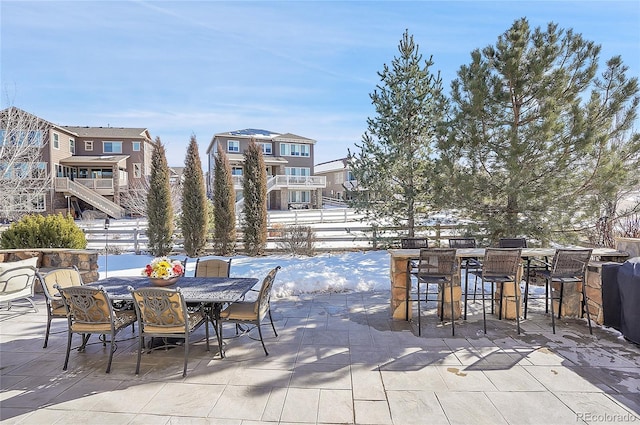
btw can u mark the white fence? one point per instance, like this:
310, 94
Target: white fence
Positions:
334, 230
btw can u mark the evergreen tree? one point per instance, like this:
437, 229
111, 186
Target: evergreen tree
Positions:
255, 200
395, 167
224, 205
194, 203
529, 146
159, 206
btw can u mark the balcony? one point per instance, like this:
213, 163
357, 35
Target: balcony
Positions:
289, 182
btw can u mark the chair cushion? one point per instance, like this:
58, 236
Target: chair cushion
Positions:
16, 277
239, 311
20, 263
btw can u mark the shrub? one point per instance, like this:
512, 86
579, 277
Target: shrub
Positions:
37, 231
298, 240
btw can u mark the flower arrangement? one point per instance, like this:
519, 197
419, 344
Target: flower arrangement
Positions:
163, 268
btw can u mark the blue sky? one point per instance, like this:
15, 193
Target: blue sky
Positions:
206, 67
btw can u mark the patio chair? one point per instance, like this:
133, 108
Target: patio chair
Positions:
162, 313
17, 280
568, 266
90, 311
467, 264
436, 266
500, 266
213, 267
64, 278
253, 312
531, 265
414, 243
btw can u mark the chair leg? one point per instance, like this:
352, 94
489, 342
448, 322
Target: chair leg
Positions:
186, 354
484, 313
46, 335
66, 358
466, 291
526, 297
262, 339
516, 286
493, 290
551, 298
272, 325
419, 312
453, 320
501, 298
585, 302
408, 292
140, 347
112, 348
560, 302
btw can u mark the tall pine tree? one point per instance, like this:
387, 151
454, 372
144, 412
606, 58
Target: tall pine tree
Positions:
224, 205
194, 203
159, 207
532, 123
255, 200
395, 165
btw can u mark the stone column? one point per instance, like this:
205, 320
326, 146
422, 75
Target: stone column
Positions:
509, 300
399, 281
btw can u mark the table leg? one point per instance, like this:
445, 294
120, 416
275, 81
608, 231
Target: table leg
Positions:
214, 316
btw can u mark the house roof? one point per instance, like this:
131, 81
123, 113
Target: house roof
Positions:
329, 166
293, 137
108, 132
94, 160
250, 132
259, 134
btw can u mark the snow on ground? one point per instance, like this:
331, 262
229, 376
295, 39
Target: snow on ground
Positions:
330, 272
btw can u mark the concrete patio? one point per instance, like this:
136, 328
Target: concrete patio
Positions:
338, 359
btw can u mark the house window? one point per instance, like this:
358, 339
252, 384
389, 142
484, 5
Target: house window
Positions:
297, 171
299, 196
56, 141
72, 146
294, 149
135, 146
88, 145
267, 148
112, 147
137, 170
233, 146
236, 171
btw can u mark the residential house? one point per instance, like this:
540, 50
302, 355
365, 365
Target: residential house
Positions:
87, 168
339, 180
291, 182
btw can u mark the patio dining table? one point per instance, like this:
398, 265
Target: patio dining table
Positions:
401, 279
213, 291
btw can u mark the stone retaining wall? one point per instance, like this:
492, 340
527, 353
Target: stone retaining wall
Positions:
54, 258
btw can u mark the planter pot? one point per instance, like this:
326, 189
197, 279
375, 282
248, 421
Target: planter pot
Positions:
163, 282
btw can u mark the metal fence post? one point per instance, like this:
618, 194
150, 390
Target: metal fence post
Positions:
136, 247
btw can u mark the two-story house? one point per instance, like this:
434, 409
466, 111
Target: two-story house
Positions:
291, 182
85, 168
339, 177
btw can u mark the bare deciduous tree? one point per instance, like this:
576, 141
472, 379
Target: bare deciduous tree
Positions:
24, 180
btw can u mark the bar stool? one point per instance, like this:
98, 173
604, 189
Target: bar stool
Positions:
568, 266
467, 264
436, 266
500, 266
